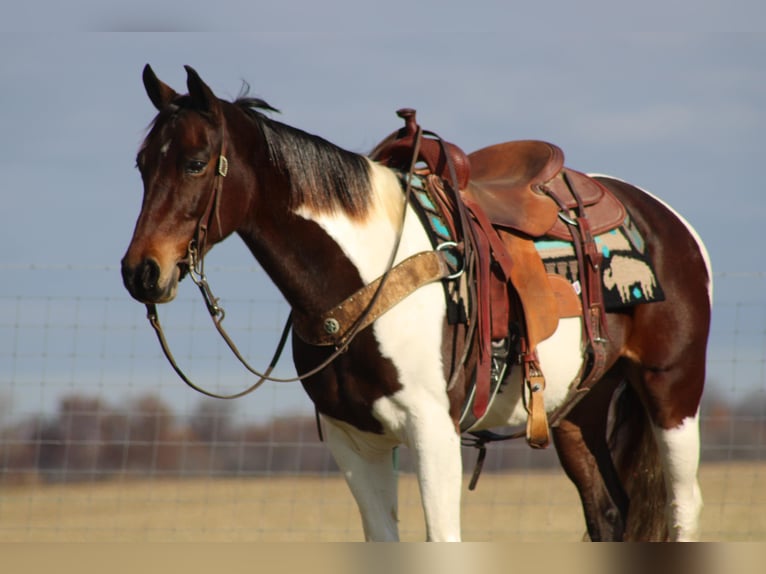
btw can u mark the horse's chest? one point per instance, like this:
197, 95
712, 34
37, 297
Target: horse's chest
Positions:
348, 389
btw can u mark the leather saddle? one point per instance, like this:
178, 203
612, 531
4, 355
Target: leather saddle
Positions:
519, 191
523, 185
520, 185
505, 180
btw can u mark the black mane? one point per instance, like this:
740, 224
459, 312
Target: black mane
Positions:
320, 174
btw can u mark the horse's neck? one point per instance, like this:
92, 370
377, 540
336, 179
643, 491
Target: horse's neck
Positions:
303, 255
368, 241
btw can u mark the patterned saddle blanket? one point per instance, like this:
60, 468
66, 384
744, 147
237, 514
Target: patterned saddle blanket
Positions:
627, 274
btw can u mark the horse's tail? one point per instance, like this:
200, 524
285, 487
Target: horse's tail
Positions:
636, 458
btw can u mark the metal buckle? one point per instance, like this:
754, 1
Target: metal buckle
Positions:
453, 245
566, 219
223, 166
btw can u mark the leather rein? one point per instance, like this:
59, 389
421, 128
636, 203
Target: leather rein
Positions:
195, 262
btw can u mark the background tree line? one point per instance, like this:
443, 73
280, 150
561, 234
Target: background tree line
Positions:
88, 439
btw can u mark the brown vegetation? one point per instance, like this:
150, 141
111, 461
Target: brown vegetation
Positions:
89, 440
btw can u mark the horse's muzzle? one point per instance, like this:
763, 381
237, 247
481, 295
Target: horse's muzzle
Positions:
144, 281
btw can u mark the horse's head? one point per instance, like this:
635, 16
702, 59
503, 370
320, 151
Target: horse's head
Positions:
183, 171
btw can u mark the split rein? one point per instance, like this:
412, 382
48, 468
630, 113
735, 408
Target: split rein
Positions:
195, 262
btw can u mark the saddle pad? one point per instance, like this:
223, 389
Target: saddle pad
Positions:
628, 277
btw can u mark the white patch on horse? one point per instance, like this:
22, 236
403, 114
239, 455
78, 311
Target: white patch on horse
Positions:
560, 360
410, 333
165, 147
692, 231
680, 449
365, 459
410, 336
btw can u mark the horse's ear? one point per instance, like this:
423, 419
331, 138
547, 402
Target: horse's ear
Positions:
159, 93
202, 96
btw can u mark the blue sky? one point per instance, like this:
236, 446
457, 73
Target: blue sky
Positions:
668, 95
678, 112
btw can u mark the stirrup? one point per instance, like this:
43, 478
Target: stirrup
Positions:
538, 434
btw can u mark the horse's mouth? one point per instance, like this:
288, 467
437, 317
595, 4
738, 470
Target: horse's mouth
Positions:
146, 283
183, 269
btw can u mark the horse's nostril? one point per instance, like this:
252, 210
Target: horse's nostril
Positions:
142, 281
149, 274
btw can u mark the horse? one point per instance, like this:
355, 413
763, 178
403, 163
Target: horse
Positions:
324, 222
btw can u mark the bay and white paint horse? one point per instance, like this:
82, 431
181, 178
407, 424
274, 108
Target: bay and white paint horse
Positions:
322, 222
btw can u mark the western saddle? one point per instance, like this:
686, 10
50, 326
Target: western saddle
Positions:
500, 199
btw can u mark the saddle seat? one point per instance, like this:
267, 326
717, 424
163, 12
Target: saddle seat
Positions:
523, 185
520, 185
505, 180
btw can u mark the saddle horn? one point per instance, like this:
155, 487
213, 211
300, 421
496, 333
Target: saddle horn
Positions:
396, 151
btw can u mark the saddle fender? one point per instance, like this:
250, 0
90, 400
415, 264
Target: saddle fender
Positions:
531, 282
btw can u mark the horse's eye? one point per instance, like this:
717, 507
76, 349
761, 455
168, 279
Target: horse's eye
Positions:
195, 166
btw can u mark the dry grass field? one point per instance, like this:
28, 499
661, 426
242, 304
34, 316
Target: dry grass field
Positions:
505, 507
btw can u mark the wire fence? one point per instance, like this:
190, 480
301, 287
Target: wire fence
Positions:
99, 440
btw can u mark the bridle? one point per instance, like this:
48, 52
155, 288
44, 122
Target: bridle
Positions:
196, 269
195, 263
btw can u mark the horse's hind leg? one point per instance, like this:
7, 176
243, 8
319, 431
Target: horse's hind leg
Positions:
672, 396
664, 352
581, 443
667, 369
366, 462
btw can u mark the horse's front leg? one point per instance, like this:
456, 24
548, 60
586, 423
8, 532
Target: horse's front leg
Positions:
436, 447
366, 462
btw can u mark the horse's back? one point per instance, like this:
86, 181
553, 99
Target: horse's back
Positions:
674, 246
